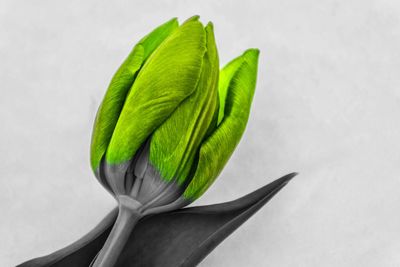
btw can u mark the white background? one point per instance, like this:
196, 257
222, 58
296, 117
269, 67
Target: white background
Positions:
327, 105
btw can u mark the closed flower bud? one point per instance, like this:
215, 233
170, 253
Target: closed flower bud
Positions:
166, 127
170, 120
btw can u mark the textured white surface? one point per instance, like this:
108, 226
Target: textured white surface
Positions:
327, 105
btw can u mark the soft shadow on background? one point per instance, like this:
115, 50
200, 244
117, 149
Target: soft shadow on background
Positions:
327, 105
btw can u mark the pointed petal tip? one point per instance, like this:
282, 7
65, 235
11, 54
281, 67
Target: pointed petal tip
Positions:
252, 50
210, 26
174, 20
251, 54
193, 18
209, 29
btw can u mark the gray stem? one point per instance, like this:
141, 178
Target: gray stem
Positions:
126, 221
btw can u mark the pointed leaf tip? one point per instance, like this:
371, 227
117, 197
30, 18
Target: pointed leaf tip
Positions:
287, 178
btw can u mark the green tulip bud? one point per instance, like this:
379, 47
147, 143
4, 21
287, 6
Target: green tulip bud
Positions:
168, 123
170, 120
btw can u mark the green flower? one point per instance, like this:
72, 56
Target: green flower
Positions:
168, 124
170, 118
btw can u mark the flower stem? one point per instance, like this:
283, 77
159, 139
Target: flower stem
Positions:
126, 221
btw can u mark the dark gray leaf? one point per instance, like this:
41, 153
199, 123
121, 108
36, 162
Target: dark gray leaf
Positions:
179, 238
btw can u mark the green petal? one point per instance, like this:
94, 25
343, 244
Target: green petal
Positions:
217, 149
175, 143
226, 76
111, 106
151, 41
167, 78
214, 121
